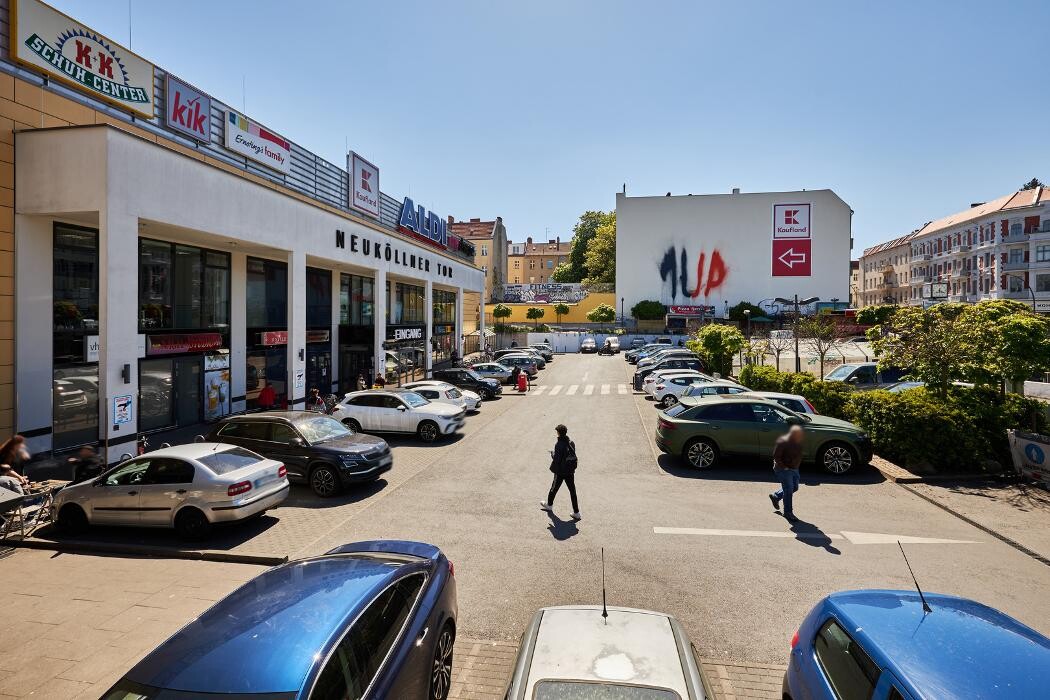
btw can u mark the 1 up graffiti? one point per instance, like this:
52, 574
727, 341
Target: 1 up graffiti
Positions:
675, 267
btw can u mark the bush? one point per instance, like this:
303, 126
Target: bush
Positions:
829, 398
717, 345
649, 310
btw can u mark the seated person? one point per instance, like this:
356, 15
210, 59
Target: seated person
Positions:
86, 465
12, 480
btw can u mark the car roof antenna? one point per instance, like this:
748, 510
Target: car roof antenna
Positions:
605, 609
925, 606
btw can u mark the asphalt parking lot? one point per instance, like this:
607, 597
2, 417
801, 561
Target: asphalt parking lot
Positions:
705, 547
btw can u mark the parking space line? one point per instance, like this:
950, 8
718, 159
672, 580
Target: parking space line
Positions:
572, 389
621, 389
605, 389
555, 390
588, 390
539, 390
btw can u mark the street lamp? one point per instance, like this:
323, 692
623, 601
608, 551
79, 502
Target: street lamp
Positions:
623, 318
1025, 286
747, 315
796, 302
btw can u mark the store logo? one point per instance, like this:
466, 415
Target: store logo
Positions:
364, 181
791, 221
365, 177
188, 110
423, 223
789, 216
86, 59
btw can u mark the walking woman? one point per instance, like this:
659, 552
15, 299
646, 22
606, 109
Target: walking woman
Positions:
563, 465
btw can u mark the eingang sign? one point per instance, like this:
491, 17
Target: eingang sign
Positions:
45, 39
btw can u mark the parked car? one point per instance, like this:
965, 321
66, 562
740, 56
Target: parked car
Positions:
316, 449
365, 620
588, 345
703, 429
528, 352
865, 375
882, 644
493, 370
187, 487
792, 402
573, 652
637, 343
443, 392
656, 377
465, 378
382, 411
715, 388
692, 363
669, 389
904, 386
527, 363
664, 354
633, 356
545, 351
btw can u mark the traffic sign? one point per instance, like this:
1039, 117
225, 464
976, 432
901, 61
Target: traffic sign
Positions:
792, 257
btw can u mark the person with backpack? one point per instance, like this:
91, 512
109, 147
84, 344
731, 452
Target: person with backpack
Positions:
563, 465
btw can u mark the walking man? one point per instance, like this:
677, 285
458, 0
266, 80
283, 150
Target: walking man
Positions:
563, 465
787, 457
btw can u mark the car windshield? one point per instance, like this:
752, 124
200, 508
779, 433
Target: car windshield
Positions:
321, 428
841, 372
229, 460
586, 690
453, 393
413, 399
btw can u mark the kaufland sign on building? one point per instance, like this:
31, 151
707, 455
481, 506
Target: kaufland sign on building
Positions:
714, 250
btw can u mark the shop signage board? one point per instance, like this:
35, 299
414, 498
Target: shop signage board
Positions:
364, 185
318, 336
187, 109
182, 342
273, 338
691, 310
374, 248
407, 333
252, 140
47, 40
791, 221
792, 251
423, 224
217, 360
92, 346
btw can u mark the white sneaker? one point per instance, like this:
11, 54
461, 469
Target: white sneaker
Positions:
577, 516
544, 506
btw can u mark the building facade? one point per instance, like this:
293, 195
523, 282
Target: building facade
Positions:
533, 262
490, 249
694, 252
177, 261
885, 273
854, 283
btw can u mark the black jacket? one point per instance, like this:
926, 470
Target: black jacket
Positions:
561, 452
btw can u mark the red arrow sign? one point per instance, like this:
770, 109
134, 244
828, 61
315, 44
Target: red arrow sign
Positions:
792, 257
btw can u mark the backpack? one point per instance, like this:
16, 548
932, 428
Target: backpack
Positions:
570, 457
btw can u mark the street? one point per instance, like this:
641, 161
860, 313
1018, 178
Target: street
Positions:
704, 547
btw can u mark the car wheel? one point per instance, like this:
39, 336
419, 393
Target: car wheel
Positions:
486, 394
669, 400
324, 481
352, 424
836, 458
192, 524
441, 669
428, 431
71, 519
701, 453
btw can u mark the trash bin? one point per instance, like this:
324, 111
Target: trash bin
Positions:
637, 381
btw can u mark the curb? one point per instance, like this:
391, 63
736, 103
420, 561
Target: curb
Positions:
898, 475
145, 551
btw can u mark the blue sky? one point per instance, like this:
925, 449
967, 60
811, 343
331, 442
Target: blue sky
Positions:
538, 111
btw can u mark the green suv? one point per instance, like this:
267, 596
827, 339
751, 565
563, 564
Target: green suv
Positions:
703, 428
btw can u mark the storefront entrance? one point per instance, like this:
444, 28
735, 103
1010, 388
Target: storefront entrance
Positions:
170, 393
405, 350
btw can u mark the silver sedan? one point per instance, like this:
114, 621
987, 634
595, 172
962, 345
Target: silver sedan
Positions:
493, 370
187, 487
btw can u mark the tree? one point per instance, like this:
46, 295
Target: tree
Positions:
648, 310
1005, 340
736, 313
602, 313
820, 333
501, 313
875, 315
600, 257
575, 269
560, 310
1031, 184
777, 344
717, 344
926, 342
534, 314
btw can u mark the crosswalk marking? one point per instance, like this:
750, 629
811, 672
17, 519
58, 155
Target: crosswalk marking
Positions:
539, 390
588, 390
621, 388
605, 389
572, 389
555, 390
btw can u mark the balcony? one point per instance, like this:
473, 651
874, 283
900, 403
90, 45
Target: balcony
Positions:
1016, 235
1015, 265
957, 297
961, 273
921, 279
924, 257
1042, 234
956, 250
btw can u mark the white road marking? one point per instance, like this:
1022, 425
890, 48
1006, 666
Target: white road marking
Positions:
555, 390
572, 389
585, 376
605, 389
539, 390
621, 388
852, 537
588, 390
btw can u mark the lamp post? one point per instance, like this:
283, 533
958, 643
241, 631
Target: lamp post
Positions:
796, 302
623, 318
747, 315
1025, 286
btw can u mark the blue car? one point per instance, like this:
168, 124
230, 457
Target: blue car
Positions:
882, 645
365, 620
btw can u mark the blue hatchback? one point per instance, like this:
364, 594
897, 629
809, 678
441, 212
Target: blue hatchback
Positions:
366, 620
881, 645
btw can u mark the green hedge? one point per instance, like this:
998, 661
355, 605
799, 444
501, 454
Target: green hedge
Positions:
829, 398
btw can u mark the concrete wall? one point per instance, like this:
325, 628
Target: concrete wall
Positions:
577, 312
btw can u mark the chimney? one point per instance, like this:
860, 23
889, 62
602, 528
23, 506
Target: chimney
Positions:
475, 221
975, 204
736, 190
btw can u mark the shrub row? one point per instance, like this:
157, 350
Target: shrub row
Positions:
829, 398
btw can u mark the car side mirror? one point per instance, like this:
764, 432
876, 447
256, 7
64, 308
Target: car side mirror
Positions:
298, 442
101, 481
793, 420
853, 380
401, 408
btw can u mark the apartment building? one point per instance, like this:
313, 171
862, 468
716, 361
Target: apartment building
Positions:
532, 263
854, 283
490, 249
885, 273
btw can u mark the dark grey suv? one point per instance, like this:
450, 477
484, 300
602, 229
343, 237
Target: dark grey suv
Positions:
316, 449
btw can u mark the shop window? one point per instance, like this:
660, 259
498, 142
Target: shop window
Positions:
187, 287
154, 285
182, 287
267, 294
215, 306
408, 304
318, 298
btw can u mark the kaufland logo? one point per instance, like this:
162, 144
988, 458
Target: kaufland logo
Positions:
365, 177
791, 221
790, 217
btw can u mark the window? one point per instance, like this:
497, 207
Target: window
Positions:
391, 402
168, 471
130, 473
353, 665
244, 429
550, 264
1042, 283
484, 250
1042, 253
182, 286
517, 264
728, 412
408, 304
318, 298
356, 300
267, 294
849, 670
229, 460
1015, 284
767, 414
279, 432
532, 264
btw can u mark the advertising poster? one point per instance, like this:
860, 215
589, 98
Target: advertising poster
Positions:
216, 394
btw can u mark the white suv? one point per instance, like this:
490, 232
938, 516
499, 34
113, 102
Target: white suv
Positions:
443, 392
381, 411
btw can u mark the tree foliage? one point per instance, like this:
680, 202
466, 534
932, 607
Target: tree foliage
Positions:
820, 333
560, 310
501, 311
1031, 184
575, 268
736, 313
602, 313
716, 345
534, 314
874, 315
648, 310
600, 257
925, 342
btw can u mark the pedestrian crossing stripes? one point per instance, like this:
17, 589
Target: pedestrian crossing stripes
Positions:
572, 389
539, 390
605, 389
588, 390
621, 389
579, 389
555, 390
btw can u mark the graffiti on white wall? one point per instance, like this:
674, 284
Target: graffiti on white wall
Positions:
544, 293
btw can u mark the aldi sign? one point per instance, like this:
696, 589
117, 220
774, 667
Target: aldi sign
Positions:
364, 185
46, 40
187, 110
423, 224
258, 143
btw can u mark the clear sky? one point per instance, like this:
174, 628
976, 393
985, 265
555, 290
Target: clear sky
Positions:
537, 111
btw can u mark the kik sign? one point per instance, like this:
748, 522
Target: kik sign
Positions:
187, 110
49, 41
423, 224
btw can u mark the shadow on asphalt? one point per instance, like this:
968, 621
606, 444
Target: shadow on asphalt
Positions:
302, 497
1015, 493
745, 470
808, 533
562, 529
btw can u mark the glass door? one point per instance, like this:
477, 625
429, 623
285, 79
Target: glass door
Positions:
156, 390
188, 400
